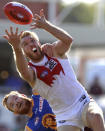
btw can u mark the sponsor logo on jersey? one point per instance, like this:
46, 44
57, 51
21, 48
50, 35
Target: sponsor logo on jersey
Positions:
36, 110
36, 120
40, 104
62, 121
50, 64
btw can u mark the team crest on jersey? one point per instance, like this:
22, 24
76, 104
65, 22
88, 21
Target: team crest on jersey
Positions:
49, 121
44, 73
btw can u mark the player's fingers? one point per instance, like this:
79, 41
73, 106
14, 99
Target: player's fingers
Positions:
5, 37
11, 30
6, 31
33, 26
42, 13
37, 17
16, 31
34, 21
20, 33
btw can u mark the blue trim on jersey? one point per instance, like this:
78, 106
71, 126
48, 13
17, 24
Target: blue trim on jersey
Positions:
40, 108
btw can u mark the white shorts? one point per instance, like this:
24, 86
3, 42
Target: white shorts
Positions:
73, 115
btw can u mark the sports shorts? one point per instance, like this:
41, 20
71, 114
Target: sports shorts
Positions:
73, 115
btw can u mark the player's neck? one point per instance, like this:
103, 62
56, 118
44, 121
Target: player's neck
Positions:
38, 60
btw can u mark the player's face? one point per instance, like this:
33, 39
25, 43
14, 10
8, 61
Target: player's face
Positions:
31, 48
18, 104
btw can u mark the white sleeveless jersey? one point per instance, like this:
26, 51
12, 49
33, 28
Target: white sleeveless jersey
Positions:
61, 88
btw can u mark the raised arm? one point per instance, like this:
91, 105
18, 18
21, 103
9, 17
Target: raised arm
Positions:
21, 63
59, 47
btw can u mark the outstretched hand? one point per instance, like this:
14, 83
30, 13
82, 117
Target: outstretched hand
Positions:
39, 21
13, 38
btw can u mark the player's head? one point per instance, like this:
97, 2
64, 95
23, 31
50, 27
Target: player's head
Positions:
31, 45
29, 33
17, 103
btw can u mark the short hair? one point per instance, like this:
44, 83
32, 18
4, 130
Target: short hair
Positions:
29, 33
4, 101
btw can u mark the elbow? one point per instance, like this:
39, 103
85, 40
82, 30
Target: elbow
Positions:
69, 40
24, 75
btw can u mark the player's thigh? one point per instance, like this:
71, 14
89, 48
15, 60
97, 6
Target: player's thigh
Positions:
89, 111
68, 128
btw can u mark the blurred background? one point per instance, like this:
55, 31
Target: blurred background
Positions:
85, 21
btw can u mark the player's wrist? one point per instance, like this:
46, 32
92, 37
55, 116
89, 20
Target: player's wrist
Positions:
17, 48
46, 25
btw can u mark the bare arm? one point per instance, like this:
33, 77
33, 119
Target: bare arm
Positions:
59, 47
20, 60
22, 66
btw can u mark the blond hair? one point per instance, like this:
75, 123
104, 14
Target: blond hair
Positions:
4, 101
29, 33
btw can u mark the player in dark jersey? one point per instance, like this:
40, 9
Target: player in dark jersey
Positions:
41, 117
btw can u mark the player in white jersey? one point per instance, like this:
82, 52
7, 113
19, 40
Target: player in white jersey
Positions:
49, 73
